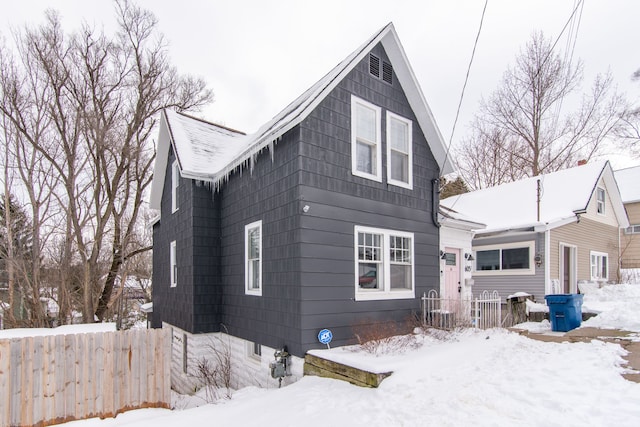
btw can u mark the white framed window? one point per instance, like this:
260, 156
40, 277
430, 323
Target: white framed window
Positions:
366, 146
383, 263
253, 258
599, 265
399, 151
173, 262
175, 182
632, 229
505, 259
601, 200
254, 351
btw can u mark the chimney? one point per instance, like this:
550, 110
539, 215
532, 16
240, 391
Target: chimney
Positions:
582, 162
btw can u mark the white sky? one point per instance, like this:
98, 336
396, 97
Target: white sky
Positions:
259, 55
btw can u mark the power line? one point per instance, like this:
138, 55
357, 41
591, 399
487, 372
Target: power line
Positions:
464, 86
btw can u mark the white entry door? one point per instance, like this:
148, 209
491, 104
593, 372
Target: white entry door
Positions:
452, 274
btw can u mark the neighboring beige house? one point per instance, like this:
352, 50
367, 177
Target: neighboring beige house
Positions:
546, 234
629, 184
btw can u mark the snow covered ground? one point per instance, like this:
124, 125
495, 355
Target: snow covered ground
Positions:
480, 378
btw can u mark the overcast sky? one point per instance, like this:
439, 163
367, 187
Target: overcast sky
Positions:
259, 55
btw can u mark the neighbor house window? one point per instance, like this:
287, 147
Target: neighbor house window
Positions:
633, 229
510, 258
173, 262
601, 197
384, 264
175, 182
253, 258
399, 151
366, 151
599, 265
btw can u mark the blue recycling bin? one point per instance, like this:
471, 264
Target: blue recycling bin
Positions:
565, 311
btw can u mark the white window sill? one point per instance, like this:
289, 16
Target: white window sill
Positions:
365, 175
528, 272
379, 295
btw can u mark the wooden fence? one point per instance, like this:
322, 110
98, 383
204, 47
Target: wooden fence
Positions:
53, 379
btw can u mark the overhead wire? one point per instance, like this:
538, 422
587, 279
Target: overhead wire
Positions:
564, 28
464, 86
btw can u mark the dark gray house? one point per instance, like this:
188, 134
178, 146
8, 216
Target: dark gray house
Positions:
324, 218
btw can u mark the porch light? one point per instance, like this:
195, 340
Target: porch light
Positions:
468, 256
538, 259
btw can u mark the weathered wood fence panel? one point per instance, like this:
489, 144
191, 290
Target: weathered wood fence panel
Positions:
52, 379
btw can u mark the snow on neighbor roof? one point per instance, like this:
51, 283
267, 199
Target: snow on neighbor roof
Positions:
513, 205
629, 184
454, 219
219, 153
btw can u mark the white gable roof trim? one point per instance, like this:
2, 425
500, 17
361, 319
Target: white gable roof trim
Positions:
211, 153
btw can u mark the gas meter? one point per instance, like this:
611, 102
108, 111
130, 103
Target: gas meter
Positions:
280, 367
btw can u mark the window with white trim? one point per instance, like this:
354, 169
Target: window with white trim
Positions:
173, 262
601, 200
632, 229
253, 258
384, 264
254, 351
366, 150
599, 265
175, 182
507, 259
399, 151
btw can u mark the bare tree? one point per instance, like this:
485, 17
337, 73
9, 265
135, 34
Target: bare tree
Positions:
526, 113
103, 95
629, 132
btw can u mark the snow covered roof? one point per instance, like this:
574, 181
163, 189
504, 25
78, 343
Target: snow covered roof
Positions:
629, 184
454, 219
564, 194
210, 153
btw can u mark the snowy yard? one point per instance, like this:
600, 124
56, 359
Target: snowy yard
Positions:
480, 378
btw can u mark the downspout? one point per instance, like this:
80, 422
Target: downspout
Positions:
547, 261
435, 201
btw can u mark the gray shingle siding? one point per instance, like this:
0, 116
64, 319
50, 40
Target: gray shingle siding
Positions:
339, 200
174, 305
308, 258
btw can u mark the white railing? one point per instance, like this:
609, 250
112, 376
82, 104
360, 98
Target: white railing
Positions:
448, 313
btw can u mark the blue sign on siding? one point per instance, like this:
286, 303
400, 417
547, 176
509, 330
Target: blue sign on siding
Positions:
325, 336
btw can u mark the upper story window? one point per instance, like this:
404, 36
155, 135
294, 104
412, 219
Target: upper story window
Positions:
599, 265
601, 199
366, 150
633, 229
173, 262
399, 152
253, 258
175, 182
384, 264
366, 144
508, 259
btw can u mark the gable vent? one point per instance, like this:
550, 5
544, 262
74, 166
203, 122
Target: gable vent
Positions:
387, 72
374, 65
